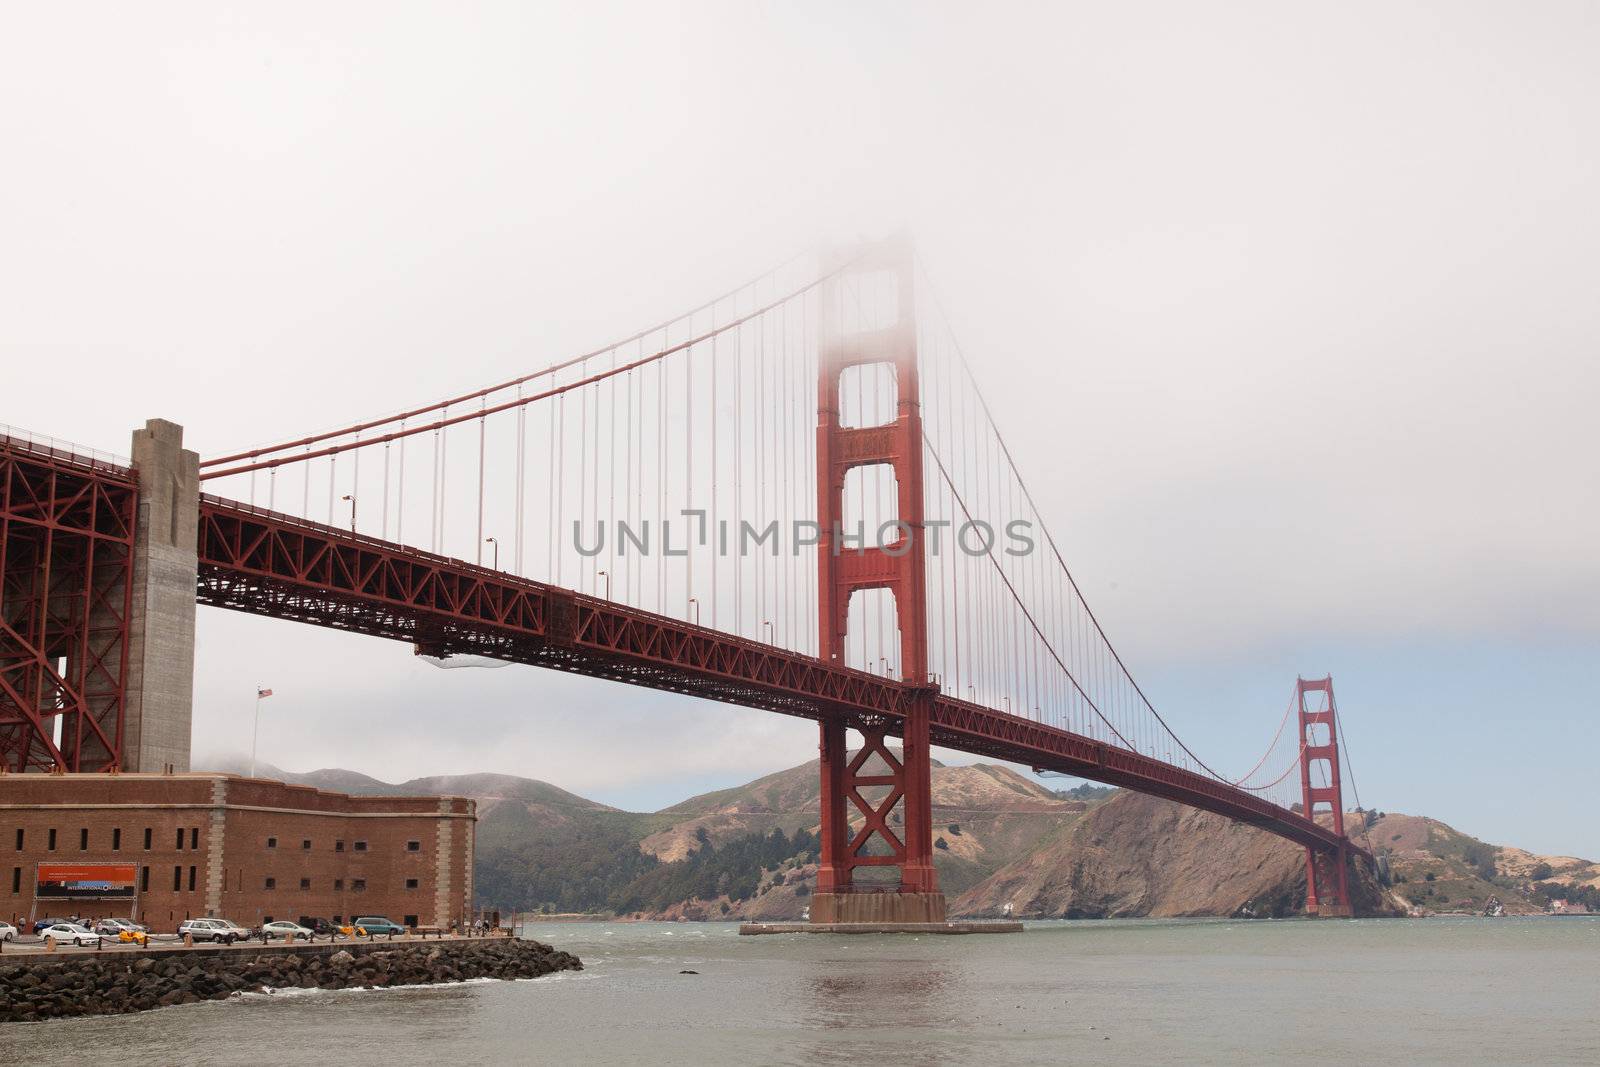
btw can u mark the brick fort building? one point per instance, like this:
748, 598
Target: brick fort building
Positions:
247, 849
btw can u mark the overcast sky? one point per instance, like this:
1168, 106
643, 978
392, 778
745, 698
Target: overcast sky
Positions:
1291, 313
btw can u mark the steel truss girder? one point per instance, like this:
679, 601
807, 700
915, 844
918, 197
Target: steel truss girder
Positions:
66, 561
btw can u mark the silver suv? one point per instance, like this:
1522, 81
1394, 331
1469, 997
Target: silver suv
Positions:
213, 930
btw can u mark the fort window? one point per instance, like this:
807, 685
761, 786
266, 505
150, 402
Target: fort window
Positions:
16, 879
147, 839
413, 846
116, 839
144, 879
361, 846
338, 885
358, 884
52, 841
191, 879
410, 920
272, 842
306, 844
411, 883
272, 883
194, 837
20, 838
338, 845
305, 883
177, 879
83, 840
179, 846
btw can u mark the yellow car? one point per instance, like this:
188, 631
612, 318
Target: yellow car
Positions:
133, 937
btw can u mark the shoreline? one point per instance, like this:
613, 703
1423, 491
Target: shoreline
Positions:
39, 986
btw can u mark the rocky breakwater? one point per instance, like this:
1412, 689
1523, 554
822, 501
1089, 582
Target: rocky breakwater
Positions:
113, 983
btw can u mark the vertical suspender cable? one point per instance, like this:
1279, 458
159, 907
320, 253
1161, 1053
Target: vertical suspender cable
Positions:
384, 527
688, 467
482, 431
611, 475
522, 475
716, 541
400, 493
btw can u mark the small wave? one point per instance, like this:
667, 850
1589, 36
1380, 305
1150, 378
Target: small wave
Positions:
297, 991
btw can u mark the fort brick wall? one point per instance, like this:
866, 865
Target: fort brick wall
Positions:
250, 850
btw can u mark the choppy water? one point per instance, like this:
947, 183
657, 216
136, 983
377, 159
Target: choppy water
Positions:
1435, 991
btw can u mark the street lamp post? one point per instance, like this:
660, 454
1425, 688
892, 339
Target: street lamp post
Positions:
496, 543
352, 498
696, 604
767, 625
255, 732
607, 576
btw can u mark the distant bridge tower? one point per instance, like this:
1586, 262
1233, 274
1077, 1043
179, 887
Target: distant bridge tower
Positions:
845, 569
1327, 878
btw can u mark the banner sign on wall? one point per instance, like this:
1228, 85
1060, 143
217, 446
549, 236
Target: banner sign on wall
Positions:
96, 881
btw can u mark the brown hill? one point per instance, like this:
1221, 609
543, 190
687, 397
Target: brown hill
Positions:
1437, 868
985, 816
1136, 855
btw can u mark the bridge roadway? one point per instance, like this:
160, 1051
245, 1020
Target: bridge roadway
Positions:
268, 563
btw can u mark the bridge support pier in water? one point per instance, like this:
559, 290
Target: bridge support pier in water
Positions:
1328, 884
838, 898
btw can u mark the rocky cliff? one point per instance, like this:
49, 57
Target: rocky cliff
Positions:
1136, 856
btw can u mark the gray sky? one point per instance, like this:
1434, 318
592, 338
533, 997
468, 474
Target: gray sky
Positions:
1291, 313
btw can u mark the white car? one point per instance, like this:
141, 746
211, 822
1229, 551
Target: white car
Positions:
113, 927
287, 930
7, 931
213, 930
71, 934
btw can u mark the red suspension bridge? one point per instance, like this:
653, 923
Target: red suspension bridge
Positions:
792, 497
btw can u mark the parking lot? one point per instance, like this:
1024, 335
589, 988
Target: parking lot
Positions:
30, 945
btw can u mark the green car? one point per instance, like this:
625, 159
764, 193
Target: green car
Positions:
377, 924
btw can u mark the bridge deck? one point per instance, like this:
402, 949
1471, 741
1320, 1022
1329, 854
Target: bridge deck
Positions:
267, 563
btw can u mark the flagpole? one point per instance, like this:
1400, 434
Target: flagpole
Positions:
255, 734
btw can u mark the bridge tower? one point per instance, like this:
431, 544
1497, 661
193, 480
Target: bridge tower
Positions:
847, 566
1327, 879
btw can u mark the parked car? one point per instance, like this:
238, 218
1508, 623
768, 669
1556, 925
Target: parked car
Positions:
7, 931
213, 930
287, 930
41, 925
373, 925
72, 933
322, 927
114, 927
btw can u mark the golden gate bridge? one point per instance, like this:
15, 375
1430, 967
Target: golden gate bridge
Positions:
792, 497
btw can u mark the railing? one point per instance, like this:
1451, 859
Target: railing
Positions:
55, 448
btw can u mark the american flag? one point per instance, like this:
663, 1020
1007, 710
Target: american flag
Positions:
263, 693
